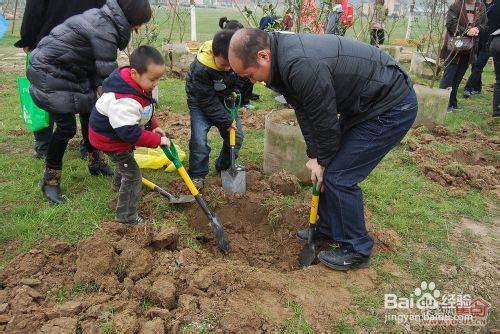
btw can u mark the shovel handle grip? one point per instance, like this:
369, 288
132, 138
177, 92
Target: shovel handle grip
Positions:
232, 137
148, 184
313, 215
187, 180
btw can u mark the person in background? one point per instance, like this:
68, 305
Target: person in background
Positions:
495, 52
333, 22
474, 83
40, 17
378, 16
464, 18
66, 72
246, 86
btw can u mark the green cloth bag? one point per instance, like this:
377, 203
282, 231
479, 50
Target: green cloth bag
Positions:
34, 117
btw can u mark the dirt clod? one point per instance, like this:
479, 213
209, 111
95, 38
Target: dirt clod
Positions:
96, 260
59, 325
137, 261
284, 183
163, 292
166, 238
154, 326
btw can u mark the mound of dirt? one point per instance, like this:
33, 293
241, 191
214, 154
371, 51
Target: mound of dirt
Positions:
148, 279
468, 160
284, 183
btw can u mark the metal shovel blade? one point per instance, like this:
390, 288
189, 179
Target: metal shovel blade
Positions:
308, 253
181, 199
173, 199
234, 181
220, 235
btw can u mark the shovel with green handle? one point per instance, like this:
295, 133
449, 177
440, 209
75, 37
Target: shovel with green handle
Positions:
234, 178
214, 220
308, 253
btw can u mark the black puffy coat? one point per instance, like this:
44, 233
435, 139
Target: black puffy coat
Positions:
323, 76
202, 92
41, 16
72, 61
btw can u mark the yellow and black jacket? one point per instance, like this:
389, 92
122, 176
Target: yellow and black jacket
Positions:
207, 86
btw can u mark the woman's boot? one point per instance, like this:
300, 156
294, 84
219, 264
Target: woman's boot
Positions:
51, 185
98, 165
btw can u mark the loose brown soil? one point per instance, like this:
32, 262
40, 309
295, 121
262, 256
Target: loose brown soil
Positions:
472, 163
149, 278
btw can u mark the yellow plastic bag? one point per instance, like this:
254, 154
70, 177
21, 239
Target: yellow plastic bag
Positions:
154, 158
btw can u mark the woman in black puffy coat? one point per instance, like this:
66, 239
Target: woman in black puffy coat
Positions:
67, 69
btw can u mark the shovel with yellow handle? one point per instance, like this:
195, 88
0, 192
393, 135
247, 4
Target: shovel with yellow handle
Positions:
308, 253
214, 220
171, 198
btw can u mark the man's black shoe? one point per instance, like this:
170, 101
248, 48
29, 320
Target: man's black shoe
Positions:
303, 235
343, 259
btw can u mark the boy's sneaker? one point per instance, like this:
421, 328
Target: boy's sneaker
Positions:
135, 221
467, 94
343, 259
199, 182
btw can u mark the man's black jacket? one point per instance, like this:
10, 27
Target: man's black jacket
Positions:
326, 76
206, 89
41, 16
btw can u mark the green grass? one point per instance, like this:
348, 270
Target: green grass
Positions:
296, 323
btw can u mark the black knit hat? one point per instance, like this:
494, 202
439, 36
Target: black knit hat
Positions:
137, 12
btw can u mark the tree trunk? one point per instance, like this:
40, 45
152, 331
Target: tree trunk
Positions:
410, 20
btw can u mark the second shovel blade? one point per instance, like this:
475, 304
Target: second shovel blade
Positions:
307, 255
234, 182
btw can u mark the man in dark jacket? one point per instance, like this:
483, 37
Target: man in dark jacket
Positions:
209, 83
40, 17
353, 103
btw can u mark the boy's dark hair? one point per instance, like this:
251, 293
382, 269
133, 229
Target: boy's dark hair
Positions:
224, 23
220, 43
143, 56
137, 12
251, 41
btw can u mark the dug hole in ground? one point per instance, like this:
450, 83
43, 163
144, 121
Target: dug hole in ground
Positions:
144, 277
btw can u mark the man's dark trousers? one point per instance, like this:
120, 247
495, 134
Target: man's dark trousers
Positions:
362, 147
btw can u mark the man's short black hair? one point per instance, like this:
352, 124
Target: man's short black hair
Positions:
220, 43
137, 12
252, 41
143, 56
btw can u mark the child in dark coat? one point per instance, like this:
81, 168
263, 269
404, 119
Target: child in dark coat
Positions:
209, 83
